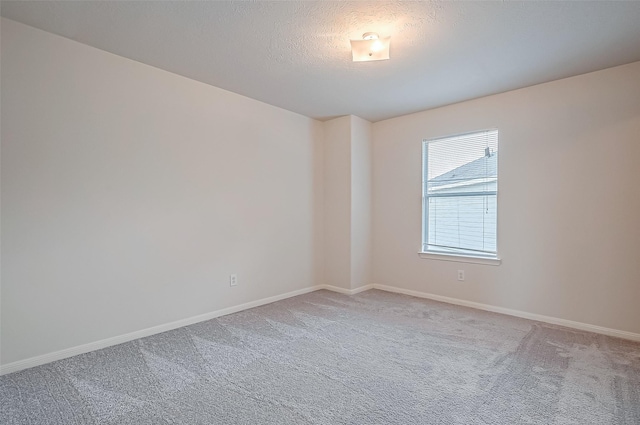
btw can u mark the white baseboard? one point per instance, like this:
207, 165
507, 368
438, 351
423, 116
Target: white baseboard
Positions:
523, 314
347, 291
108, 342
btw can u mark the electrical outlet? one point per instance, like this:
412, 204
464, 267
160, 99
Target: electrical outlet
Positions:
233, 280
460, 274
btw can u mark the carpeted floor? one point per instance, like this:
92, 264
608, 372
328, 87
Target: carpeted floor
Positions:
326, 358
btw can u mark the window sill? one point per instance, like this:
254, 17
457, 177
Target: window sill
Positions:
460, 258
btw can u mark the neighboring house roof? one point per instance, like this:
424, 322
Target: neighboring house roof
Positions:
482, 168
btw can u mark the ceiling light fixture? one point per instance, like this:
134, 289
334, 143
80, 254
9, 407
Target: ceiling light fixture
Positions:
370, 48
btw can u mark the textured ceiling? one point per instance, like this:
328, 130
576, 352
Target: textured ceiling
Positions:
295, 54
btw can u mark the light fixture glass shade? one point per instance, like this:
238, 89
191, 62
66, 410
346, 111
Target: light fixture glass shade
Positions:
373, 49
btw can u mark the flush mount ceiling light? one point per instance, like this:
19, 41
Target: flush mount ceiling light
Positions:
370, 48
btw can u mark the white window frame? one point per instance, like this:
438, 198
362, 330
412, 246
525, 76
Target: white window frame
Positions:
434, 254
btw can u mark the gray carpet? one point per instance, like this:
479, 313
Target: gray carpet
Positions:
326, 358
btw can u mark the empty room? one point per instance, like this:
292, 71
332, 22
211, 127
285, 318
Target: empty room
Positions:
320, 212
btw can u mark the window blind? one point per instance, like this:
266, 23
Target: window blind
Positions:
460, 188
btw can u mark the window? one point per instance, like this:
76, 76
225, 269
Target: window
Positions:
460, 191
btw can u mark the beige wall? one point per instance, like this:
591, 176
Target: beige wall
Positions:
337, 196
347, 195
129, 194
361, 191
568, 208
